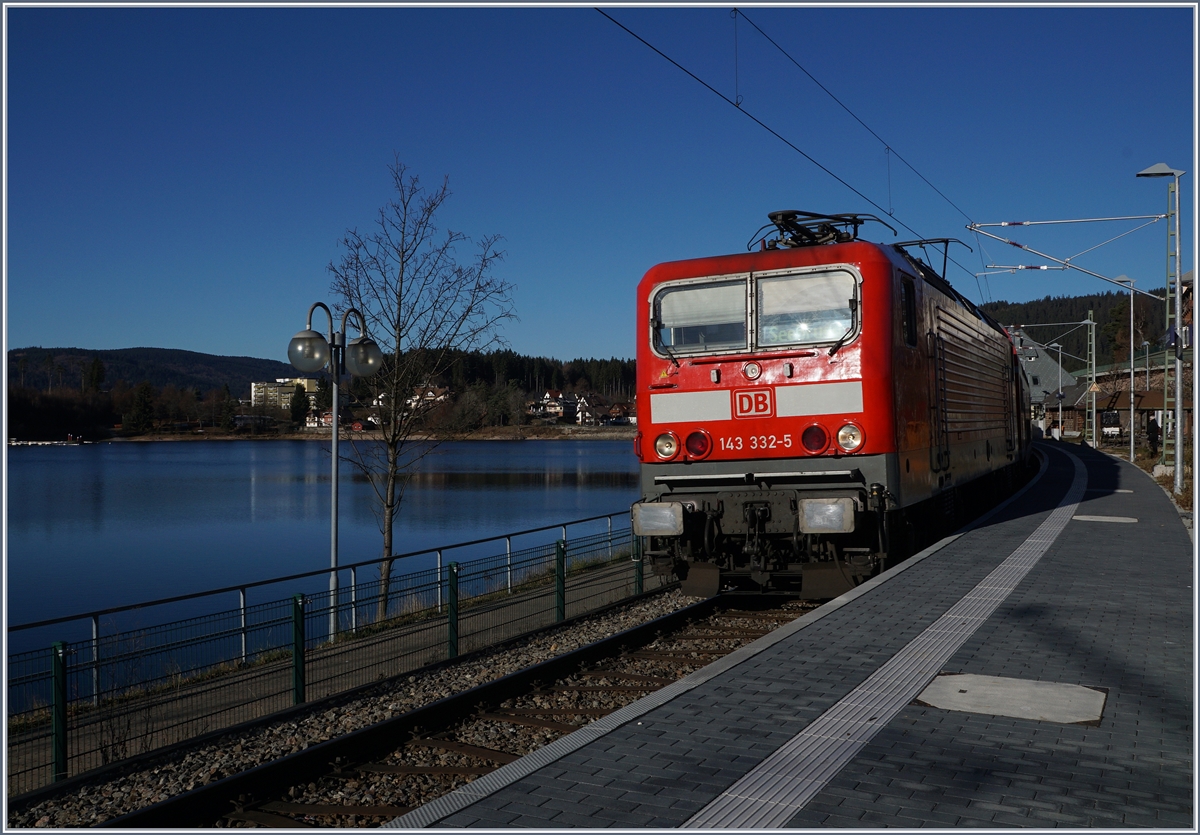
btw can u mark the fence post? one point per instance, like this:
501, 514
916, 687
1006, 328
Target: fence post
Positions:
96, 660
508, 561
560, 581
610, 537
638, 568
439, 580
58, 716
354, 600
298, 649
452, 609
242, 607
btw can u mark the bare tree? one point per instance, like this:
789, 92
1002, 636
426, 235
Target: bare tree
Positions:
422, 305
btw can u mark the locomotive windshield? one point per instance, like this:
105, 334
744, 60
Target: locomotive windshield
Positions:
806, 308
699, 318
811, 307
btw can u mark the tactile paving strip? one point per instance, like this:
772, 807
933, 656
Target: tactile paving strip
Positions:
772, 793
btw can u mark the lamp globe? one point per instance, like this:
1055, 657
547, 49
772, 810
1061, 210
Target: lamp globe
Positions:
363, 357
308, 351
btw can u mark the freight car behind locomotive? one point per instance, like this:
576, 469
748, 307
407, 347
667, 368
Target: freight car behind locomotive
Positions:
814, 409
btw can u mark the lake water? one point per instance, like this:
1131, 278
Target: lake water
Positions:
103, 525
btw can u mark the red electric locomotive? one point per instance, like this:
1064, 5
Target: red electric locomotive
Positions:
811, 411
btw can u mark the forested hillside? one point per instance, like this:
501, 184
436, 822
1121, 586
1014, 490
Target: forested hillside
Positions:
1110, 311
49, 369
55, 392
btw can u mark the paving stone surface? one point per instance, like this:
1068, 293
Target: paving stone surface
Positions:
1109, 605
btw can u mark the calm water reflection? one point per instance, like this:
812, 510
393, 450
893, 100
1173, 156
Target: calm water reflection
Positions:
113, 524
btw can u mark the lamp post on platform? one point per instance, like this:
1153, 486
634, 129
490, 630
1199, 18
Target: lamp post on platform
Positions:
309, 352
1146, 346
1059, 395
1127, 281
1163, 170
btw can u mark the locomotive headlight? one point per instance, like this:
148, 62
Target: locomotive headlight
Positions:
826, 515
666, 445
850, 437
657, 518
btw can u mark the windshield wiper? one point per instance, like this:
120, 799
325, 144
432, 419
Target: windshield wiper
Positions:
837, 346
657, 325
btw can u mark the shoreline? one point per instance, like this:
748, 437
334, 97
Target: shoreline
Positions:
497, 433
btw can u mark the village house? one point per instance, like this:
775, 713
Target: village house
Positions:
621, 414
554, 405
427, 396
590, 410
324, 420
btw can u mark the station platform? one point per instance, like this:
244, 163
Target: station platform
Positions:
1033, 670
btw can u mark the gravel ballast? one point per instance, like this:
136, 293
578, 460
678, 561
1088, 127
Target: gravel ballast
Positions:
181, 771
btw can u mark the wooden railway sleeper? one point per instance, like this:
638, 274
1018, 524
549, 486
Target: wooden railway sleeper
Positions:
682, 656
267, 819
601, 688
490, 754
528, 721
330, 810
449, 770
559, 711
662, 682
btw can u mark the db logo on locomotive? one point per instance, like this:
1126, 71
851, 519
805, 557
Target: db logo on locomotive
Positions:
753, 403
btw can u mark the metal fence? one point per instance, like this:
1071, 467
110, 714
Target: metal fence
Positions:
77, 705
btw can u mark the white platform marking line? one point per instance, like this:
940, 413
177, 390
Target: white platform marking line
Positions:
770, 794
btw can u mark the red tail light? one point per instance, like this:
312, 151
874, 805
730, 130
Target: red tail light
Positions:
698, 444
814, 439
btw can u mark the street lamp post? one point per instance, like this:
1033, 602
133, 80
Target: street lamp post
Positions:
1146, 346
1059, 395
1163, 170
309, 352
1124, 279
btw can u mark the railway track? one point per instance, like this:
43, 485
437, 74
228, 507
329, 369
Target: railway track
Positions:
378, 773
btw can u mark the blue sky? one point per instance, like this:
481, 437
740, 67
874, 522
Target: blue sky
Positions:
180, 177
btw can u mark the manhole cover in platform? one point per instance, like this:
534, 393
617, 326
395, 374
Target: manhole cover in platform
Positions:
1044, 701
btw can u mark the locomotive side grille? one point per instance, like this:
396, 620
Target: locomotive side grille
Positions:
974, 369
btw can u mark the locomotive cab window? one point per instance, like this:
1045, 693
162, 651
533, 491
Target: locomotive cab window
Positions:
701, 318
806, 308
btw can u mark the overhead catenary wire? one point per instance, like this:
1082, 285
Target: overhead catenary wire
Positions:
750, 116
888, 149
767, 127
887, 146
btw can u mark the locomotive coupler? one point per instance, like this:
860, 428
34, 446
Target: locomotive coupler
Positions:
756, 516
712, 528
